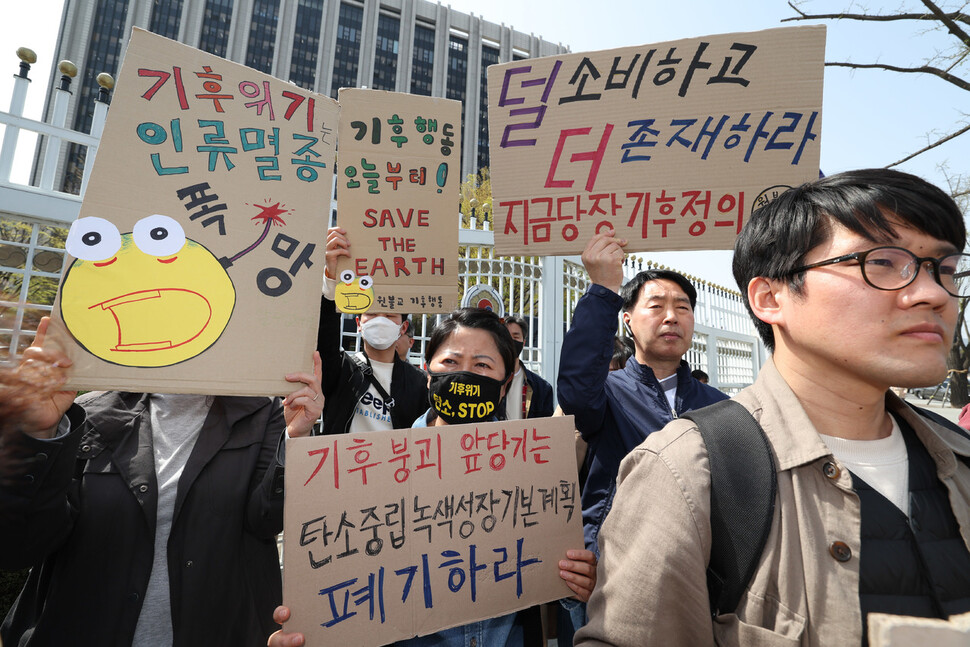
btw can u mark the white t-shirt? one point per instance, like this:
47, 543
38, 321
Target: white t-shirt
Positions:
370, 412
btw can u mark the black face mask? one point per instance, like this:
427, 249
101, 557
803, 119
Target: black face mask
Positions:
519, 345
461, 397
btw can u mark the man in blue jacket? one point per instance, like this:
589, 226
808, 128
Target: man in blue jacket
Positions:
616, 410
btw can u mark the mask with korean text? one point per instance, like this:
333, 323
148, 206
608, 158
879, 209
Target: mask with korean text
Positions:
461, 397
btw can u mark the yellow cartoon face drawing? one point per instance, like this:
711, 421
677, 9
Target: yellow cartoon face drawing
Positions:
147, 298
354, 295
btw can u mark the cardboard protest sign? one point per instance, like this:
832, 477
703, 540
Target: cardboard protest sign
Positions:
196, 263
400, 169
671, 144
388, 535
887, 630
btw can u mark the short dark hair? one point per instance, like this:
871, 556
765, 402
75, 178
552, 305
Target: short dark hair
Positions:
698, 374
409, 331
623, 349
520, 322
777, 237
474, 318
631, 290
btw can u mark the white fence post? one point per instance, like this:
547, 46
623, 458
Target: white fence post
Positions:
17, 100
61, 98
97, 125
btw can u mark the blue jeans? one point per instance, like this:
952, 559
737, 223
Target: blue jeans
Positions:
571, 616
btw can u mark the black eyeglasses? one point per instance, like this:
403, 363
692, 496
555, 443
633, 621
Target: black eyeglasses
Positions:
893, 268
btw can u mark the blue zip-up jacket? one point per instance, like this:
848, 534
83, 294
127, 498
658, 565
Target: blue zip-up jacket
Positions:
614, 411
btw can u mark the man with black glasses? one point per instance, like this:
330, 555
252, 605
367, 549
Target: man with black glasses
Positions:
852, 282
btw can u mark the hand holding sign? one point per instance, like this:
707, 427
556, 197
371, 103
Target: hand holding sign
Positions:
303, 407
337, 246
603, 260
579, 572
45, 370
283, 638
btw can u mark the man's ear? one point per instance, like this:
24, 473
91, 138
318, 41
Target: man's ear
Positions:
626, 323
357, 319
765, 299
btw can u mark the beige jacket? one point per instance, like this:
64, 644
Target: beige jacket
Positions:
655, 543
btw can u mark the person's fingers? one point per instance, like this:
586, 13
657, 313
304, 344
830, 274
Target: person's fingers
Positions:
283, 639
306, 378
583, 568
304, 398
41, 333
599, 242
281, 614
36, 353
317, 367
48, 362
582, 593
336, 239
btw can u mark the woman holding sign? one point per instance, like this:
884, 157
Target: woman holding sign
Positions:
470, 358
146, 519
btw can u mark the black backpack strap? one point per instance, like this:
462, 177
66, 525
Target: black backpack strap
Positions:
948, 424
743, 486
368, 371
940, 420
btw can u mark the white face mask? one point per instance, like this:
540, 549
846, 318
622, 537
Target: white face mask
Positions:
380, 332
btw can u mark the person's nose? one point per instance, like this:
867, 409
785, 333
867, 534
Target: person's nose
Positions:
926, 287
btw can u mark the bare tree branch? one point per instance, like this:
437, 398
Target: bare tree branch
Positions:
951, 26
956, 16
923, 69
938, 142
958, 60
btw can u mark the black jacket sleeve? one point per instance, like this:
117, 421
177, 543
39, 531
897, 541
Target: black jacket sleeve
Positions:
37, 508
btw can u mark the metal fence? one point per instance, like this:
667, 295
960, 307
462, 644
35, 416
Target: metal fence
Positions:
542, 290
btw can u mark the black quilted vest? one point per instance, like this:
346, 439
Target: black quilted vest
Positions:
917, 566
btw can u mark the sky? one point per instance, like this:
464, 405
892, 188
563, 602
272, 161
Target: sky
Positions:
869, 117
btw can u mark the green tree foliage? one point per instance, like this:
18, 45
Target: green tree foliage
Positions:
476, 198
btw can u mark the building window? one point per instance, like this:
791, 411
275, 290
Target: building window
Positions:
306, 43
457, 74
385, 55
165, 18
346, 55
216, 21
262, 35
103, 56
489, 57
422, 62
